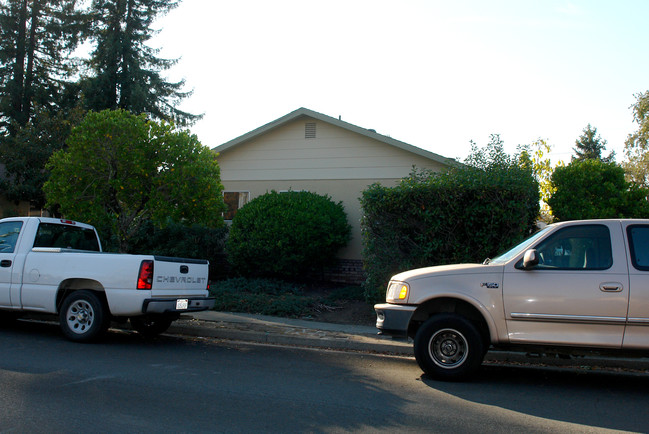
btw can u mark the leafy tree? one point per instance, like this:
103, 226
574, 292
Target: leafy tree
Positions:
636, 146
126, 72
533, 157
590, 145
120, 170
592, 189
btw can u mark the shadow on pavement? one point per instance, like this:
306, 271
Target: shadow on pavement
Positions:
603, 399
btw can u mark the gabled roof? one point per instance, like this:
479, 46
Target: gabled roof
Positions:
306, 113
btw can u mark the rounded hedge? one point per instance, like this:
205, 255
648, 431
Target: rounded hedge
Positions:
287, 234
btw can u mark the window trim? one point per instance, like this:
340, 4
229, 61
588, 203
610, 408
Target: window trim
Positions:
634, 261
519, 263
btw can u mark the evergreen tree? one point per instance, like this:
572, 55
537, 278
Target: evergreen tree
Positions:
590, 146
37, 89
37, 39
126, 72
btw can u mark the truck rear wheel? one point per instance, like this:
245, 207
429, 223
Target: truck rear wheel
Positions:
449, 347
150, 325
83, 316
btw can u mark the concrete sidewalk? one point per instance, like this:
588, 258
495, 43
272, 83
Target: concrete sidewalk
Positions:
305, 333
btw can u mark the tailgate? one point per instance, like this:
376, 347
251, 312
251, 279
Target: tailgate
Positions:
179, 276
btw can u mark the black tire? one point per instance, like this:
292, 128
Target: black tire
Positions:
150, 326
449, 347
83, 316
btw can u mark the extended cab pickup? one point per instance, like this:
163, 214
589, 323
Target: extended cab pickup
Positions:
57, 266
572, 287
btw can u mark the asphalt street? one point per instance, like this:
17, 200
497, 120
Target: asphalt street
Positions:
196, 384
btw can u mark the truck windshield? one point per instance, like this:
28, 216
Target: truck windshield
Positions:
66, 237
519, 248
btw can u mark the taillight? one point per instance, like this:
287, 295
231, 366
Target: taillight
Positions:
145, 277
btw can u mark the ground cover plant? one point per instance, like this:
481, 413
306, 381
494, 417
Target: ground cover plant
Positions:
306, 300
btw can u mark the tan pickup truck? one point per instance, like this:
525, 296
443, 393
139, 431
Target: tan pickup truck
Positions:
572, 287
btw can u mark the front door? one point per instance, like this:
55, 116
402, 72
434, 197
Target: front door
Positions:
577, 295
9, 232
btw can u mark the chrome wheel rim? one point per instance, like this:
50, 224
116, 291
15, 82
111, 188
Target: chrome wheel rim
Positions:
80, 316
448, 348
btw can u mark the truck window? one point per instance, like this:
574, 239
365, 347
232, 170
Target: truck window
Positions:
639, 245
66, 237
9, 235
584, 247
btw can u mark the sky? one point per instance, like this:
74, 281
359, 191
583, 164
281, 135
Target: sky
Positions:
436, 74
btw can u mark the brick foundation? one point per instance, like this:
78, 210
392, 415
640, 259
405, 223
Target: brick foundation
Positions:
349, 271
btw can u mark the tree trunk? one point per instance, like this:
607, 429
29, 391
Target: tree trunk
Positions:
17, 85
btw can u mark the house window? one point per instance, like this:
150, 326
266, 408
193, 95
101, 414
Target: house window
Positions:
234, 201
309, 130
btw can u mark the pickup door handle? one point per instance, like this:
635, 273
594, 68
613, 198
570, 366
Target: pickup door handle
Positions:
5, 263
610, 287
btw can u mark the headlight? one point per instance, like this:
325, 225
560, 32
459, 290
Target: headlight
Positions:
397, 292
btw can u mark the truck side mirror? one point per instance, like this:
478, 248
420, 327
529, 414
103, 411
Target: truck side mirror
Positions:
531, 259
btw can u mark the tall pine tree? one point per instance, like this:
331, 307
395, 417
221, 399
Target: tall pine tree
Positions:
125, 70
38, 89
37, 39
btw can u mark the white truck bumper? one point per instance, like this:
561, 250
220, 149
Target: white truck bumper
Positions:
177, 305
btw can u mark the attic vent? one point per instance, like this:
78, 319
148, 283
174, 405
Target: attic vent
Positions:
309, 130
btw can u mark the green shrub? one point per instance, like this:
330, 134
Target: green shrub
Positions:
260, 296
467, 214
287, 234
197, 242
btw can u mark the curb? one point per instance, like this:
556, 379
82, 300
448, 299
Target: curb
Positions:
289, 335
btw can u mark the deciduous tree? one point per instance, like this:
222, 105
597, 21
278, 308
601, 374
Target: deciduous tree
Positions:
120, 170
636, 146
592, 189
535, 158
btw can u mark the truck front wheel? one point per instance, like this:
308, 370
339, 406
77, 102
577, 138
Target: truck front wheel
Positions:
151, 325
83, 316
449, 347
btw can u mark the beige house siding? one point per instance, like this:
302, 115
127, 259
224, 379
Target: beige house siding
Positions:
341, 161
334, 154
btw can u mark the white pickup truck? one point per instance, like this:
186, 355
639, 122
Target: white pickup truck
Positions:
572, 287
57, 266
